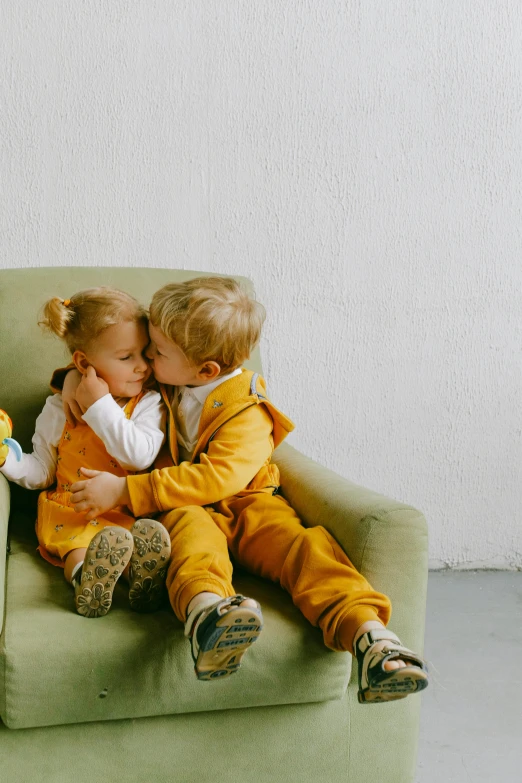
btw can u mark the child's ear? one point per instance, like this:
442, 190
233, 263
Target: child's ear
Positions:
209, 371
80, 361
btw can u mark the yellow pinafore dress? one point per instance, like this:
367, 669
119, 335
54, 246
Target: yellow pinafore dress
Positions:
58, 527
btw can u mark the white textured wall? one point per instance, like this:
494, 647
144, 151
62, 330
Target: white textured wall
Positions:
361, 161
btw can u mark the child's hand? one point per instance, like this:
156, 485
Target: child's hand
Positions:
91, 389
100, 492
72, 410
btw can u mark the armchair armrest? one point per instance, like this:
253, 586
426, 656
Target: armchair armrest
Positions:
386, 541
4, 519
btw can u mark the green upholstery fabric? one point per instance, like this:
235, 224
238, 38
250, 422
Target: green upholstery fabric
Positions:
50, 674
4, 518
142, 664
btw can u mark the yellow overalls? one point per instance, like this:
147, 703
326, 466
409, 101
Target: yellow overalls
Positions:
58, 527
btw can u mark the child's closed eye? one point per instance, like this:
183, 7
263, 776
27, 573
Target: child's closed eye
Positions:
125, 358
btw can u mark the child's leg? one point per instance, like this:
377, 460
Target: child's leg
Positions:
265, 534
73, 560
199, 562
221, 625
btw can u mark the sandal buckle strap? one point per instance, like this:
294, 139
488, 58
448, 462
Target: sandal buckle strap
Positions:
376, 635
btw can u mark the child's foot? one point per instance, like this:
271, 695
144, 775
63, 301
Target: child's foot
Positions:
387, 670
149, 563
107, 556
221, 631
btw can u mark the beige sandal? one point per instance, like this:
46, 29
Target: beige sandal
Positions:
106, 558
221, 632
149, 563
375, 683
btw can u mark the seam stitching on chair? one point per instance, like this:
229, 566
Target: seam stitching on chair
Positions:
380, 517
373, 518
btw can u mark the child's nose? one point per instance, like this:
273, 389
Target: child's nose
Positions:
142, 365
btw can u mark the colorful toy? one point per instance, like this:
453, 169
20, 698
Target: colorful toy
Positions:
6, 442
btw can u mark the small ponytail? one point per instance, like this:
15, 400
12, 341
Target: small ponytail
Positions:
80, 320
57, 315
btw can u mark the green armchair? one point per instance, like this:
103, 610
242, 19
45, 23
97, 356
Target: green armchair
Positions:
115, 698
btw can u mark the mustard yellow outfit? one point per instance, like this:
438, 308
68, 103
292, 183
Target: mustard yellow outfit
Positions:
226, 499
58, 527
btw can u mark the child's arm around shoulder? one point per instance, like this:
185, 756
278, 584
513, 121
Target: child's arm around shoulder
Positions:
136, 442
38, 470
234, 456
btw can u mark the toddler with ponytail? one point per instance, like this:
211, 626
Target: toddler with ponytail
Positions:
121, 432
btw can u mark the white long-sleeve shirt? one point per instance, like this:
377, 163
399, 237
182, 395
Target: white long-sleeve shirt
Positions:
134, 443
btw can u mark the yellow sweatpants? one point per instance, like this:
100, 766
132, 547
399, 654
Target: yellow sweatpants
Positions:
265, 536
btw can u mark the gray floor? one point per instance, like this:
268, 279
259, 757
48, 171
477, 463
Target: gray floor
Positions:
471, 723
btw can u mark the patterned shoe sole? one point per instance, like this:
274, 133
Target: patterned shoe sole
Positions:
398, 686
107, 556
222, 649
149, 563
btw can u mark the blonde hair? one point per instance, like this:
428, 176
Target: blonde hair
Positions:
80, 320
210, 319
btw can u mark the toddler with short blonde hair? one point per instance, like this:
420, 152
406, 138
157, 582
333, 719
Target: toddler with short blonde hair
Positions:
209, 318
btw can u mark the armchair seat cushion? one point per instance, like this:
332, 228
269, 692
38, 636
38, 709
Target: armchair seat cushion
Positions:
63, 668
